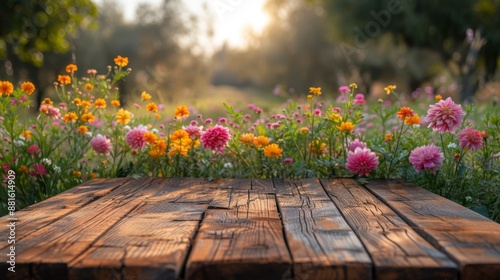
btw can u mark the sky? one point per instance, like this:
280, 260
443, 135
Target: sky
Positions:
232, 17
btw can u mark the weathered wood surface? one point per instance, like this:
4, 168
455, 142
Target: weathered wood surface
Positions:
184, 228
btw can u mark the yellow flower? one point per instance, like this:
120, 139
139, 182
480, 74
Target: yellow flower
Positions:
123, 116
64, 79
87, 117
71, 68
388, 137
47, 101
83, 129
309, 96
77, 101
77, 173
89, 86
438, 97
315, 90
336, 117
346, 126
353, 85
247, 138
26, 134
272, 150
415, 119
27, 87
158, 149
150, 137
121, 61
100, 103
145, 96
6, 88
181, 112
70, 117
115, 103
151, 107
304, 130
261, 141
180, 136
390, 88
178, 149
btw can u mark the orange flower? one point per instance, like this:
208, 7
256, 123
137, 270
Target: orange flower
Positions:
150, 137
317, 148
6, 88
100, 103
83, 129
181, 112
64, 79
77, 101
26, 134
273, 150
89, 86
415, 119
28, 87
88, 117
70, 117
315, 90
404, 113
390, 88
304, 130
93, 175
86, 104
121, 61
261, 141
179, 135
157, 116
158, 149
115, 103
151, 107
388, 137
47, 101
123, 116
438, 97
24, 169
77, 173
71, 68
145, 96
346, 126
178, 149
247, 138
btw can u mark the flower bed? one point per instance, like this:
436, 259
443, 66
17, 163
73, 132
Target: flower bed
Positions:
87, 134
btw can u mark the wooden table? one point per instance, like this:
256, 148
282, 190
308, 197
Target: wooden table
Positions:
187, 228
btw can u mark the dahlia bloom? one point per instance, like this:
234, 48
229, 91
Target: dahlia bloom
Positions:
362, 161
135, 137
216, 138
356, 144
101, 144
444, 116
470, 138
194, 131
427, 157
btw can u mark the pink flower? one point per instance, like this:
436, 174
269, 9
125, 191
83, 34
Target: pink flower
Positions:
359, 99
444, 116
101, 144
33, 149
216, 138
356, 144
193, 131
344, 89
427, 157
288, 160
135, 137
317, 112
362, 161
37, 170
470, 138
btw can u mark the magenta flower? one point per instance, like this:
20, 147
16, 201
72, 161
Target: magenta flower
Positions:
427, 157
444, 116
317, 112
216, 138
470, 138
101, 144
359, 99
356, 144
33, 149
288, 160
362, 161
135, 137
37, 170
344, 89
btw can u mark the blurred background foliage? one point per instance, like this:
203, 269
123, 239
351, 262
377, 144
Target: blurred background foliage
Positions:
452, 46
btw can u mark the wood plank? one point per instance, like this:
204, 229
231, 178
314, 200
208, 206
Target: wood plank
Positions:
243, 242
397, 251
46, 253
322, 244
470, 239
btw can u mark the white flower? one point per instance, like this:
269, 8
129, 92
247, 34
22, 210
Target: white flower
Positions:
19, 143
452, 146
127, 128
154, 130
228, 165
57, 169
47, 161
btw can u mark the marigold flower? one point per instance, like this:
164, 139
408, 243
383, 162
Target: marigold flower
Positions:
100, 103
86, 104
26, 134
23, 169
179, 135
181, 112
27, 87
145, 96
413, 120
158, 149
404, 113
427, 157
89, 86
470, 138
64, 79
101, 144
247, 138
361, 161
123, 116
309, 96
6, 88
70, 117
390, 88
316, 147
47, 101
315, 90
346, 126
121, 61
83, 129
304, 130
115, 103
388, 137
216, 138
157, 116
77, 101
261, 141
444, 116
150, 137
93, 175
71, 68
178, 149
87, 117
272, 150
77, 173
151, 107
135, 137
439, 97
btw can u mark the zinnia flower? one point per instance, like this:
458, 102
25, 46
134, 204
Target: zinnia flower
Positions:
135, 137
121, 61
6, 88
101, 144
272, 150
151, 107
427, 157
71, 68
181, 112
115, 103
356, 144
405, 113
28, 87
362, 161
64, 79
123, 116
100, 103
444, 116
216, 138
470, 138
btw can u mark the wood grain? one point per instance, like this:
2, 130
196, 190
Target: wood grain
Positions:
322, 244
470, 239
243, 242
397, 251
